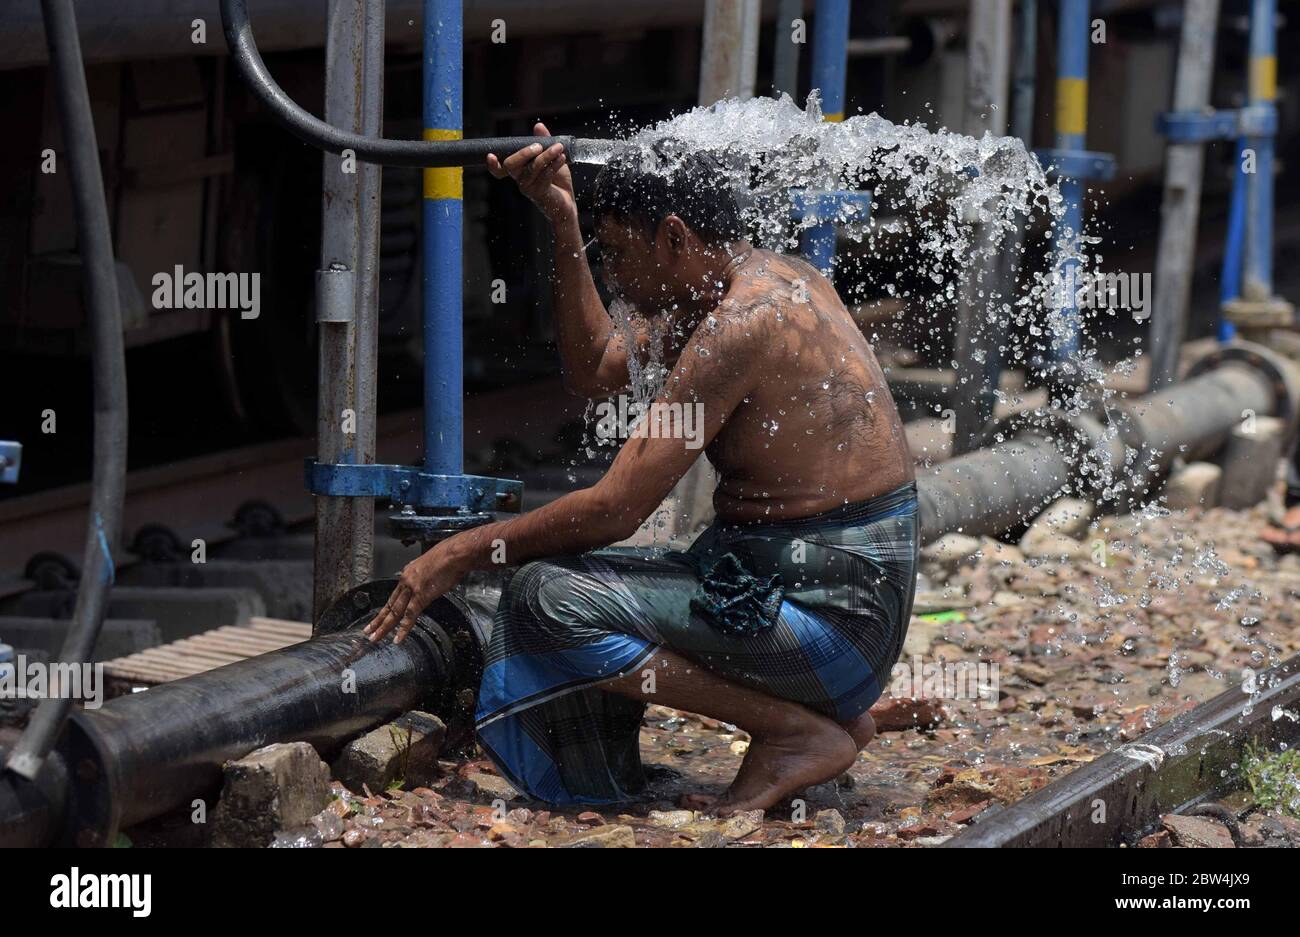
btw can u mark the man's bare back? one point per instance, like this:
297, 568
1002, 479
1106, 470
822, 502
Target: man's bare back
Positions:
817, 427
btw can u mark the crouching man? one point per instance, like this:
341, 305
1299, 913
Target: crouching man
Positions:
786, 615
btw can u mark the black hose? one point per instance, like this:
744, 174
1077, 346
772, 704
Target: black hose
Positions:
323, 136
108, 477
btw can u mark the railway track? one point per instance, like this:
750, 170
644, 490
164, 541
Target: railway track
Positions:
1180, 767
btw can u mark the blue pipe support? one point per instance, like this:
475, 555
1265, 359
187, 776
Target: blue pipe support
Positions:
830, 62
1230, 276
1072, 44
405, 485
11, 459
443, 275
1262, 95
817, 241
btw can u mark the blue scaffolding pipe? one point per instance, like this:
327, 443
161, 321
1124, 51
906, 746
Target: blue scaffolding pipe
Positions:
443, 191
831, 55
1071, 127
1258, 262
1230, 276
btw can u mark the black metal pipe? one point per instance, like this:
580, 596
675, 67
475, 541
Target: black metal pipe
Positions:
143, 755
311, 129
108, 475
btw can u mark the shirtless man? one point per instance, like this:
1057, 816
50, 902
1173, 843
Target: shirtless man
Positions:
785, 617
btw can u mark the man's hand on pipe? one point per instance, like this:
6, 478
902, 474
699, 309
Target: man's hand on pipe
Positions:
426, 578
542, 175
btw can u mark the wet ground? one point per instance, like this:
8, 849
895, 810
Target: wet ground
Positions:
1146, 618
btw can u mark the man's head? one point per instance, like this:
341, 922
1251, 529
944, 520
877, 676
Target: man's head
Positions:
665, 217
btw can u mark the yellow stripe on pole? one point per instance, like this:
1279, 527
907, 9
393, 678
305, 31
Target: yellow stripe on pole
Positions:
1071, 105
447, 182
1263, 78
834, 118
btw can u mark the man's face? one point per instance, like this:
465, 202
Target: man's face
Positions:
635, 266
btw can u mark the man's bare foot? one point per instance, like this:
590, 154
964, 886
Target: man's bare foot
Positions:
1285, 538
777, 765
862, 729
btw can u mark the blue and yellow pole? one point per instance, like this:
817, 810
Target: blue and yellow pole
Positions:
443, 338
1071, 128
1263, 96
830, 63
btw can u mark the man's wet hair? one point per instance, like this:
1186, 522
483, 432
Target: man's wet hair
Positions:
646, 184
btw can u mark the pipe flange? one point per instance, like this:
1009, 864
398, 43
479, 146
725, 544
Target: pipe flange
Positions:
430, 529
1276, 370
448, 623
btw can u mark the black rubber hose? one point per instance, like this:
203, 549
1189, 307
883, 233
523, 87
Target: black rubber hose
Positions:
108, 478
323, 136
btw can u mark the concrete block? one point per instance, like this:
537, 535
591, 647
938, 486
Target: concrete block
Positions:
284, 585
117, 637
406, 749
952, 551
279, 787
1195, 485
1250, 462
1064, 517
179, 612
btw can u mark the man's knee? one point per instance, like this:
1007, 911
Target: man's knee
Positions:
550, 593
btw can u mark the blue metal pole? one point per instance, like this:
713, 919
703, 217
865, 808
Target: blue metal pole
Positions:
443, 339
1071, 128
830, 63
1262, 94
1230, 276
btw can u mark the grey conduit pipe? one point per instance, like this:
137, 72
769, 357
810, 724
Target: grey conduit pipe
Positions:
323, 136
108, 478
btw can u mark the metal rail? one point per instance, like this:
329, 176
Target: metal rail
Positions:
1119, 797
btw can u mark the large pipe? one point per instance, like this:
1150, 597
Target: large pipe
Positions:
992, 490
108, 475
368, 149
146, 754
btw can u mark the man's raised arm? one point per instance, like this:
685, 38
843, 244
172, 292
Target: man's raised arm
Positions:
593, 357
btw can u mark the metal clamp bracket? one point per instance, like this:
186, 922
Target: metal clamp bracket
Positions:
1077, 164
1257, 120
408, 485
11, 459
